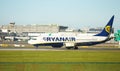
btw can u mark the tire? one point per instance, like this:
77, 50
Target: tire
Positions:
75, 47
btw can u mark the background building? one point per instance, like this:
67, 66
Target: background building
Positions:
34, 28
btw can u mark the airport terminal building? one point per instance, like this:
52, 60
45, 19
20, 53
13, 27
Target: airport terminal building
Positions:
53, 28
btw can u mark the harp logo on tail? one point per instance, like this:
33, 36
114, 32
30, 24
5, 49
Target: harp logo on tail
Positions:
107, 29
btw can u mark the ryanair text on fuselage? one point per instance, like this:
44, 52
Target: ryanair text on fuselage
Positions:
59, 38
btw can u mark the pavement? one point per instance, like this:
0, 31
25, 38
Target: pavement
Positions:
53, 49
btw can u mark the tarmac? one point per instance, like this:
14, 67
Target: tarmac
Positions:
54, 49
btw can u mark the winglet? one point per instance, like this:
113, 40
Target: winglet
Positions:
107, 29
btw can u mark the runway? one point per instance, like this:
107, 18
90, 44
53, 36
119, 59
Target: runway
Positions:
54, 49
30, 49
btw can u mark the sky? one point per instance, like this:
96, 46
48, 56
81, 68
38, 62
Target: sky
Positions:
72, 13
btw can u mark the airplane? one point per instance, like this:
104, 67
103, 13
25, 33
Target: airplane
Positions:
72, 39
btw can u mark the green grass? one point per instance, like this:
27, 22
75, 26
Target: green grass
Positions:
69, 60
59, 67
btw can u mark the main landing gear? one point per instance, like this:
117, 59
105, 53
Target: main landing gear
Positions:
75, 47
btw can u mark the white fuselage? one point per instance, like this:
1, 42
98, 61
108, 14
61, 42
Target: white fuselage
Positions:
65, 37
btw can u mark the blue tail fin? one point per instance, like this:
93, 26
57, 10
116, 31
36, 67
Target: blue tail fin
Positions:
108, 28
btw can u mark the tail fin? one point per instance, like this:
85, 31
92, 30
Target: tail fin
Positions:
108, 28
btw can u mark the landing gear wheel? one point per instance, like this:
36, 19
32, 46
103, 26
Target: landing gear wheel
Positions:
75, 47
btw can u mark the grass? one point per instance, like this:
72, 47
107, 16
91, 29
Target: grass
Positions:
59, 67
69, 60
